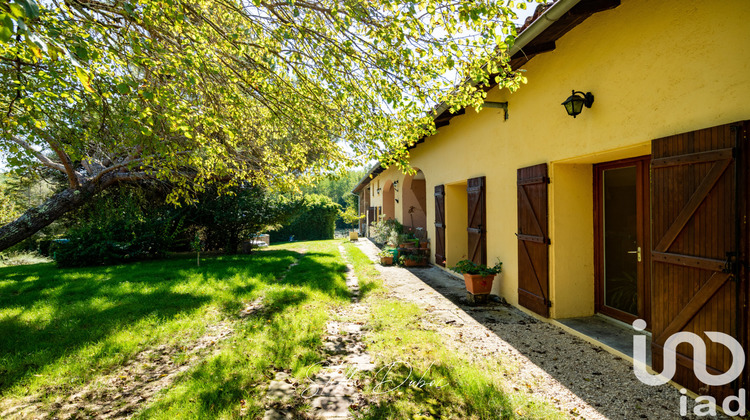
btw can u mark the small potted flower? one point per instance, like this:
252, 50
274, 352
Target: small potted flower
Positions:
386, 257
478, 277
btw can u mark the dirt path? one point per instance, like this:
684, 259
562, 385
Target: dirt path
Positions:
333, 390
577, 377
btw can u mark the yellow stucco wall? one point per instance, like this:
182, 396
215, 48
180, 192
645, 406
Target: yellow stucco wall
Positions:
655, 69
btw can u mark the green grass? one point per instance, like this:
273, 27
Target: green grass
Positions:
61, 328
64, 328
9, 259
451, 386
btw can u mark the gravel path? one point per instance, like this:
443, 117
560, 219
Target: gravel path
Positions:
577, 377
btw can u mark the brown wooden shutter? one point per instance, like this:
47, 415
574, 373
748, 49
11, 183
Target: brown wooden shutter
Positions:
533, 239
440, 225
370, 216
694, 209
477, 227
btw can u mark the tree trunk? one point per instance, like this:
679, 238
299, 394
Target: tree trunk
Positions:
41, 216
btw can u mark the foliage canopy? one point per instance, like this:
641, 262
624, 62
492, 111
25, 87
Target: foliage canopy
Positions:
191, 91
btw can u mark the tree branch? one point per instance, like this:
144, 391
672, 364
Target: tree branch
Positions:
43, 159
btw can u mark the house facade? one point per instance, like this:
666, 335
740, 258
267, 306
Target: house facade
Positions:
634, 209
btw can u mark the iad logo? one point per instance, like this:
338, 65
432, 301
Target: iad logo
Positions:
699, 367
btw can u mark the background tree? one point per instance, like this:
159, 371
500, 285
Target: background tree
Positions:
237, 215
338, 188
194, 91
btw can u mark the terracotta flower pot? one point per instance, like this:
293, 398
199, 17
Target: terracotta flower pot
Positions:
413, 263
386, 260
406, 245
477, 284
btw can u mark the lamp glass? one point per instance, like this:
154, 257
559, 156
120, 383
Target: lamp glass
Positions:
574, 104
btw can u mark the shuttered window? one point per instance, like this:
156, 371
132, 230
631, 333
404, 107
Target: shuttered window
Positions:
694, 209
533, 239
440, 225
477, 223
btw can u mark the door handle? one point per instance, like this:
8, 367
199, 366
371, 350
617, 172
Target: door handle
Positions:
637, 252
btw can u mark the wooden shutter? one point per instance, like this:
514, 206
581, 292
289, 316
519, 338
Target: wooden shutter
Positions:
477, 224
440, 225
694, 209
370, 216
533, 239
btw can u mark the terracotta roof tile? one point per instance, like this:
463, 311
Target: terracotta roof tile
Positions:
538, 12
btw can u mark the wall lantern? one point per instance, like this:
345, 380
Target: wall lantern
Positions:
575, 102
379, 190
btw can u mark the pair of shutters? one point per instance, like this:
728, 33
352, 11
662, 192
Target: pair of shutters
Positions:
698, 222
476, 223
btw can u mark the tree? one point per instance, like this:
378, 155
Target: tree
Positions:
193, 91
338, 188
230, 218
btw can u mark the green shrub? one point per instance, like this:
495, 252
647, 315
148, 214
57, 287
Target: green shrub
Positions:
314, 219
387, 231
121, 227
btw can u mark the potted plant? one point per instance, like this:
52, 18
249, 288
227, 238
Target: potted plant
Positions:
413, 260
386, 257
478, 277
405, 241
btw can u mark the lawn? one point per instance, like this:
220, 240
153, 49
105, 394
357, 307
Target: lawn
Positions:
67, 330
62, 328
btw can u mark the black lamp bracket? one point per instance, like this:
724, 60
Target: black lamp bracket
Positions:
588, 98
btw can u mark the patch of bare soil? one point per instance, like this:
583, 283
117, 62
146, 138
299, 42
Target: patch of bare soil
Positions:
124, 391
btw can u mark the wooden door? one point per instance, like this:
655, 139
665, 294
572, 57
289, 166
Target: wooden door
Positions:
622, 245
694, 233
477, 223
440, 225
533, 239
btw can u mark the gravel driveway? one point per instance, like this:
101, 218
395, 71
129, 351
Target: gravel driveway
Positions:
574, 375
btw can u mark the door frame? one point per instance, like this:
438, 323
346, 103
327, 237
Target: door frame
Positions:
643, 238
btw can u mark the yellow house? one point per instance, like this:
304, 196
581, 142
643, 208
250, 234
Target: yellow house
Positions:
634, 208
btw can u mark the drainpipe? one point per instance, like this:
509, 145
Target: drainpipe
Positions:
550, 16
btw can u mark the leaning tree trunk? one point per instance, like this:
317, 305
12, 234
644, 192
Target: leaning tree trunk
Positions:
41, 216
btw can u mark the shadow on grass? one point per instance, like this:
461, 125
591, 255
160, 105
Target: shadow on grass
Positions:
48, 314
285, 335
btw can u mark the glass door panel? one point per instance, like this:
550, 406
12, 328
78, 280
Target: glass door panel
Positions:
620, 238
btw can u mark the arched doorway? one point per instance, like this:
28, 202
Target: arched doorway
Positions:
389, 204
414, 199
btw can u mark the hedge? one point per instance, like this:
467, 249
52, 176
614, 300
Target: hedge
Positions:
315, 219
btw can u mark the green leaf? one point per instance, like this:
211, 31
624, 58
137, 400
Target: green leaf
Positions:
30, 7
82, 53
123, 88
5, 34
85, 79
17, 11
